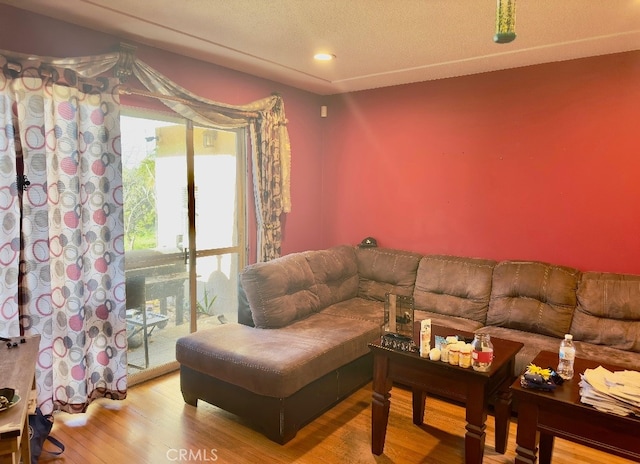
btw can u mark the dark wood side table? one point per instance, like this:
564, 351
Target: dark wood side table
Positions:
424, 376
17, 371
561, 414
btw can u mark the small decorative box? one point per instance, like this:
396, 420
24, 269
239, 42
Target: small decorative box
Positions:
398, 342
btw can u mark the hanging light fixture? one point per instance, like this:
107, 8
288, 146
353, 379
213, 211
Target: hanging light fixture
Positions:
505, 21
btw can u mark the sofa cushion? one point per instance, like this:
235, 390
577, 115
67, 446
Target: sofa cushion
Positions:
608, 355
358, 309
453, 322
454, 286
335, 272
608, 311
533, 296
280, 291
383, 270
276, 363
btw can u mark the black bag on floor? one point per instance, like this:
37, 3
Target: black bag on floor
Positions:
39, 429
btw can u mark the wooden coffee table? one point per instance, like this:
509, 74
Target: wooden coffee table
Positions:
561, 414
17, 371
424, 376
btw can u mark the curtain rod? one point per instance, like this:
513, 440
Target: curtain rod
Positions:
159, 96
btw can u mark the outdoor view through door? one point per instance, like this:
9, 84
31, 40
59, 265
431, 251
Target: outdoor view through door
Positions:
155, 157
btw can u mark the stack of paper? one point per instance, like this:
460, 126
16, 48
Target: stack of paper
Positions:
614, 392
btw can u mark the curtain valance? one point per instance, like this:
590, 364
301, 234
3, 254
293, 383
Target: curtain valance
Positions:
265, 118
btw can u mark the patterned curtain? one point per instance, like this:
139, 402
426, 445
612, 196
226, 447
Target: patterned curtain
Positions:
63, 132
10, 211
267, 163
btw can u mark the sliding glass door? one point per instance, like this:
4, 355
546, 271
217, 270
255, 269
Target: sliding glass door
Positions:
184, 196
219, 179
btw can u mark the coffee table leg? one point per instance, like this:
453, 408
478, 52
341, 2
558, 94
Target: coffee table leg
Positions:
419, 398
502, 418
527, 437
476, 418
380, 403
546, 448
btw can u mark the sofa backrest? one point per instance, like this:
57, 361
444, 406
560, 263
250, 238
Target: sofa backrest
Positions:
608, 311
294, 286
280, 291
454, 286
335, 272
384, 270
533, 296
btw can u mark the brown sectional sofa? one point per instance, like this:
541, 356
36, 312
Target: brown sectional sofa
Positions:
305, 321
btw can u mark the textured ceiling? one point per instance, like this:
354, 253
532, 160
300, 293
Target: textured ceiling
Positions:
377, 42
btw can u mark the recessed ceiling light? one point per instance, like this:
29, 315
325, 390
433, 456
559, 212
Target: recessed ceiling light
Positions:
324, 56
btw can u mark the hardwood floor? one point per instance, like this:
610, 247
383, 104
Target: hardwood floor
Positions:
154, 425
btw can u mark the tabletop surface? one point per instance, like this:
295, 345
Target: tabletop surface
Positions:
503, 350
17, 370
569, 392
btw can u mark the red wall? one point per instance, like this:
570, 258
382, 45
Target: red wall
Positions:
532, 163
536, 163
24, 32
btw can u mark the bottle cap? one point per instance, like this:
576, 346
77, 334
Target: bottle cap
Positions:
568, 337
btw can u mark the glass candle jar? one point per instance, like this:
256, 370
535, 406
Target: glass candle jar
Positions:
464, 359
444, 353
482, 352
454, 354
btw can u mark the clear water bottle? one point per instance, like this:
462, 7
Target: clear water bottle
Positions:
566, 356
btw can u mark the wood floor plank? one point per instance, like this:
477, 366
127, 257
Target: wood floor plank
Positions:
154, 425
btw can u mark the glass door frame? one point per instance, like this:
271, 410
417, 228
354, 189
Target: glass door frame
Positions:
192, 253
